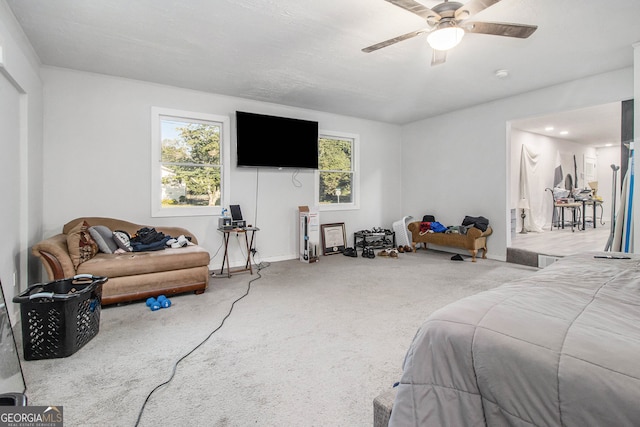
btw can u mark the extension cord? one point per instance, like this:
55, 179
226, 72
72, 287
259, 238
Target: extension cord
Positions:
175, 365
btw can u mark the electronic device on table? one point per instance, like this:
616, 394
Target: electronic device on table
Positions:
224, 223
234, 221
236, 217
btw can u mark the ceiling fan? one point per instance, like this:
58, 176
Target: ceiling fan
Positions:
447, 24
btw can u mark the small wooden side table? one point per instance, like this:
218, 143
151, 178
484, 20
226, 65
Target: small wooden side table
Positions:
248, 241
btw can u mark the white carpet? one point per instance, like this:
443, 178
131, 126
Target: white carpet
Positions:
311, 345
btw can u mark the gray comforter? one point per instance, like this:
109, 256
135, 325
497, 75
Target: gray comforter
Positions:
558, 348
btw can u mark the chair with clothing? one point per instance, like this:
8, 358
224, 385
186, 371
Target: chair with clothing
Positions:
560, 203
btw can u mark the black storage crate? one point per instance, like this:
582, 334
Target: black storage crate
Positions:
60, 317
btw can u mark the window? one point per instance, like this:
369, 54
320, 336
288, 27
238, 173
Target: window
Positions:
337, 183
190, 169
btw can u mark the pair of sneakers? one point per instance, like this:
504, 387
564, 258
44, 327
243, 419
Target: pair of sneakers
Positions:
180, 242
367, 252
393, 253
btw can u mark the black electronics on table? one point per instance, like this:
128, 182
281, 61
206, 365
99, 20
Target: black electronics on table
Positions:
236, 217
280, 142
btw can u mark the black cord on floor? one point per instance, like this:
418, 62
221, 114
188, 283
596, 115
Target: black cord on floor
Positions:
175, 365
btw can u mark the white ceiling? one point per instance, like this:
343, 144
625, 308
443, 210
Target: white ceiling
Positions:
596, 126
308, 53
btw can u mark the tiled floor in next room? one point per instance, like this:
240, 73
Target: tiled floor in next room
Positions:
563, 242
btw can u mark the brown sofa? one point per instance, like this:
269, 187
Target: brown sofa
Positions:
474, 240
132, 275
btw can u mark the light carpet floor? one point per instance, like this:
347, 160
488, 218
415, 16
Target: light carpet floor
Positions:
311, 345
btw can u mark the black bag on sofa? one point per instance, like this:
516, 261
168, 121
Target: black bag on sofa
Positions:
428, 218
148, 235
479, 222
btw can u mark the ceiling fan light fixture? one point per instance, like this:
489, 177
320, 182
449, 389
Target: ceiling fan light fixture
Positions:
445, 38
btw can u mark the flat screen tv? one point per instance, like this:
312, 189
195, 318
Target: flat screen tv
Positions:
279, 142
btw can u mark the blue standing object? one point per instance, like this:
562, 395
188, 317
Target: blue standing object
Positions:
153, 304
628, 223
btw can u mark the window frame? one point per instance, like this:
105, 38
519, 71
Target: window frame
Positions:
157, 114
355, 171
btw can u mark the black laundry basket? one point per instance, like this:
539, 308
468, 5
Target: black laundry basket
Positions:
60, 317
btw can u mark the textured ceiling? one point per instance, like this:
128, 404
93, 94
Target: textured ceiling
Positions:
308, 53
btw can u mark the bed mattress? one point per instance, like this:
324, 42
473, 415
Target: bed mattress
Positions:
558, 348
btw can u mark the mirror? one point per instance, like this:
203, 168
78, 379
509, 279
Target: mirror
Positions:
11, 377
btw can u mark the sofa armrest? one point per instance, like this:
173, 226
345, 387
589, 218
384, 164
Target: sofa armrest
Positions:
480, 233
414, 228
54, 254
474, 233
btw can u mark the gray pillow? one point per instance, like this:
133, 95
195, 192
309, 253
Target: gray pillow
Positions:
104, 238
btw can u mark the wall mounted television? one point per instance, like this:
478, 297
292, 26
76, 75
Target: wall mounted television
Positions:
279, 142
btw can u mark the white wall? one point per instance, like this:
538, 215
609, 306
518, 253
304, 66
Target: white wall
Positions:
20, 158
458, 163
9, 168
97, 151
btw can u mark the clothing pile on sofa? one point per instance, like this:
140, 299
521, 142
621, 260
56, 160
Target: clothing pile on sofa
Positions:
144, 240
430, 225
149, 239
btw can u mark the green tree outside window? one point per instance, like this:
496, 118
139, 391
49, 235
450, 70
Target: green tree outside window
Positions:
191, 163
335, 164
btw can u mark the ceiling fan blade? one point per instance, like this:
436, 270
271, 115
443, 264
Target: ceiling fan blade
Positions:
392, 41
521, 31
419, 9
438, 57
473, 7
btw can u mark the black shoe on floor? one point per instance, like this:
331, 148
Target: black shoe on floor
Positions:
352, 252
368, 253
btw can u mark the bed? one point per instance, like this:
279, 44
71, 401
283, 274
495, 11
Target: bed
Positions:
558, 348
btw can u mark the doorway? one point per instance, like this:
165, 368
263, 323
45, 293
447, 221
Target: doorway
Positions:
571, 151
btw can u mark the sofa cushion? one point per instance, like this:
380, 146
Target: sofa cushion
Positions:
134, 263
80, 244
104, 238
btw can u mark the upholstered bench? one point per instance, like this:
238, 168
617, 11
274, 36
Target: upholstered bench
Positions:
473, 241
382, 406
